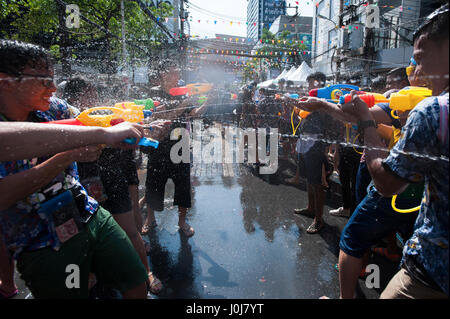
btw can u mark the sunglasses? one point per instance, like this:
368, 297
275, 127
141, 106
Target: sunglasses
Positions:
46, 80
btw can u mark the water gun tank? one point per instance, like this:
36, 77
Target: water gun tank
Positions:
407, 98
369, 98
332, 93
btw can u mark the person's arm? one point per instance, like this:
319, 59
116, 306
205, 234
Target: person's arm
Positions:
311, 104
19, 186
173, 109
21, 140
386, 183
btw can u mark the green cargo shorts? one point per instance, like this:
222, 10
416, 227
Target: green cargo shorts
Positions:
102, 248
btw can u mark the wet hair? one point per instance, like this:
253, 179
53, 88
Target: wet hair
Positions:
16, 56
399, 74
318, 76
435, 25
75, 87
378, 84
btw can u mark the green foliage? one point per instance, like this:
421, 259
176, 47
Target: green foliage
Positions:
41, 22
281, 42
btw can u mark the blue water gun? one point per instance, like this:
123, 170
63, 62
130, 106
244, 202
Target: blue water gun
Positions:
332, 93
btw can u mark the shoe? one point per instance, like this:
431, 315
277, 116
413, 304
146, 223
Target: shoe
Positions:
315, 227
187, 230
340, 212
304, 212
147, 228
154, 285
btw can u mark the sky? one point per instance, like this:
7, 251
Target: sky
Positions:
230, 16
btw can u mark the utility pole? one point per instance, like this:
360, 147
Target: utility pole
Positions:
368, 51
182, 17
340, 24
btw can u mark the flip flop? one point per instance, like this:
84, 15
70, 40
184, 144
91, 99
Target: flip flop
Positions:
153, 284
304, 212
147, 228
187, 230
5, 295
314, 228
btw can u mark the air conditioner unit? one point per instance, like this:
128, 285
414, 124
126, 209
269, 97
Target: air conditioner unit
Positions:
355, 36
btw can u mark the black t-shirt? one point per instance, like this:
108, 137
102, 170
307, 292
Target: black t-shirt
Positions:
162, 153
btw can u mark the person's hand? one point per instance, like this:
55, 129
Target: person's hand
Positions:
115, 135
85, 154
308, 103
159, 129
357, 108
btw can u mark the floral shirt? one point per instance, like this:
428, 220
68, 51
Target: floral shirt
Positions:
21, 226
429, 242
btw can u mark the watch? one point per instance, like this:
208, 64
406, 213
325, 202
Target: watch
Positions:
362, 125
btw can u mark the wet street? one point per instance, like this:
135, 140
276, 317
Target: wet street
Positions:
248, 243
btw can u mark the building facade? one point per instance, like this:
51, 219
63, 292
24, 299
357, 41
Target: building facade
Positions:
344, 47
261, 14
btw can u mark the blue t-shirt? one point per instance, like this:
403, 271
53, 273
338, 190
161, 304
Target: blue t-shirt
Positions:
21, 226
420, 155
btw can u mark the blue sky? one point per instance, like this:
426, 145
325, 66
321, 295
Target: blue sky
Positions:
230, 16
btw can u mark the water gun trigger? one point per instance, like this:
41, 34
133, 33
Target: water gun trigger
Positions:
394, 114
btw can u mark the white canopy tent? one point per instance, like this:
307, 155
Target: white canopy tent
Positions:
265, 84
289, 73
300, 75
281, 75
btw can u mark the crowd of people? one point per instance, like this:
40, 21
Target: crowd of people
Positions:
74, 200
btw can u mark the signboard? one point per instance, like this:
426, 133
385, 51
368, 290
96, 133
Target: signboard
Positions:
272, 9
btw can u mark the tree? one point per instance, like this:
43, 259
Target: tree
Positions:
42, 22
279, 45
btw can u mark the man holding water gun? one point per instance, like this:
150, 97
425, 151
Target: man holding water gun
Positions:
313, 129
425, 264
47, 220
160, 167
421, 154
112, 180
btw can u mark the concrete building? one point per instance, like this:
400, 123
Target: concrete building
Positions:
261, 14
343, 46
